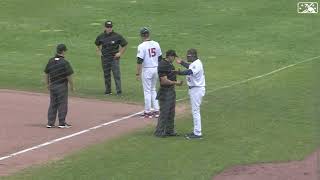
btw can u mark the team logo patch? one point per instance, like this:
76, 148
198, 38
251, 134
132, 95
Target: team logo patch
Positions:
307, 7
112, 42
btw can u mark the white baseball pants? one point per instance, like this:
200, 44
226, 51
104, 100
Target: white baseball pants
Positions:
196, 94
149, 79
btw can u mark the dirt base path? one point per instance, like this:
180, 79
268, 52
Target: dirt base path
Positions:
308, 169
23, 120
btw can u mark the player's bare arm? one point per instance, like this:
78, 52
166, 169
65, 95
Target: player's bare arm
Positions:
46, 80
70, 81
98, 49
139, 68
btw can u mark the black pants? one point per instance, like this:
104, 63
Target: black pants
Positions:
109, 65
58, 103
167, 102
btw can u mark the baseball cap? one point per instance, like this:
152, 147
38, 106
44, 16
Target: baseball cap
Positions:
61, 47
144, 30
192, 52
171, 53
108, 24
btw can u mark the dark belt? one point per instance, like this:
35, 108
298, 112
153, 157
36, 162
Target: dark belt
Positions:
190, 87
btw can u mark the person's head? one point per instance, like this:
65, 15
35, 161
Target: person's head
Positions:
171, 55
61, 49
108, 26
192, 55
144, 33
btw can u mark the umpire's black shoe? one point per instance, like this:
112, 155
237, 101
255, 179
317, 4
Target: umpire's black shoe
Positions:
193, 136
172, 134
65, 125
50, 126
160, 136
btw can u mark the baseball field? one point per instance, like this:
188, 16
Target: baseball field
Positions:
262, 103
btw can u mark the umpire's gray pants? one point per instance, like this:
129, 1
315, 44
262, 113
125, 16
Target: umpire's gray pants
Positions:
109, 65
58, 103
167, 101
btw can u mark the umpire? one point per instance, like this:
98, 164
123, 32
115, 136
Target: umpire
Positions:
57, 76
111, 46
167, 95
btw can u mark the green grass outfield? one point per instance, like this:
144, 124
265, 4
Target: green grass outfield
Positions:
269, 119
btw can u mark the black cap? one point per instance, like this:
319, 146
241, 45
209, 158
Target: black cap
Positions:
108, 24
192, 52
61, 47
144, 30
171, 53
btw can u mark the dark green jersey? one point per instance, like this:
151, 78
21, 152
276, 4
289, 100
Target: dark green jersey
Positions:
110, 43
165, 68
58, 70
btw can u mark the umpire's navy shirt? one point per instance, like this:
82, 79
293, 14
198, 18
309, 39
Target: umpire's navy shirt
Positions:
58, 70
110, 43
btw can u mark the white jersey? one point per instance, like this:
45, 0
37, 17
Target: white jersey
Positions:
149, 51
197, 79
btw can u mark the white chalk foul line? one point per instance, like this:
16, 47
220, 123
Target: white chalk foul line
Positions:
132, 115
68, 137
256, 77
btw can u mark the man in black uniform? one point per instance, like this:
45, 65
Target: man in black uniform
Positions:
167, 95
57, 76
111, 46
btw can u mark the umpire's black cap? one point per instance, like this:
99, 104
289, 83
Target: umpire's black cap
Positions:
171, 53
108, 24
61, 47
144, 30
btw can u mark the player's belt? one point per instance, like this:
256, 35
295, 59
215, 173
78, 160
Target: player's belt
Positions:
190, 87
151, 67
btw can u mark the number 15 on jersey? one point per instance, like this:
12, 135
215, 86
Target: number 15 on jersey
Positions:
152, 52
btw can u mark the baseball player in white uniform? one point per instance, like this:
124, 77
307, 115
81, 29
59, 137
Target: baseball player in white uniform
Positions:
148, 55
196, 82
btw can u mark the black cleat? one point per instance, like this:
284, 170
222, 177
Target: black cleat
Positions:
193, 136
65, 125
50, 126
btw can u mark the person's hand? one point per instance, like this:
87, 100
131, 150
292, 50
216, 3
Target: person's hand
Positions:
176, 71
178, 60
99, 53
72, 89
138, 77
179, 83
117, 56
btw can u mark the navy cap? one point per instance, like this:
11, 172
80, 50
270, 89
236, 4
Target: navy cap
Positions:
144, 30
61, 47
